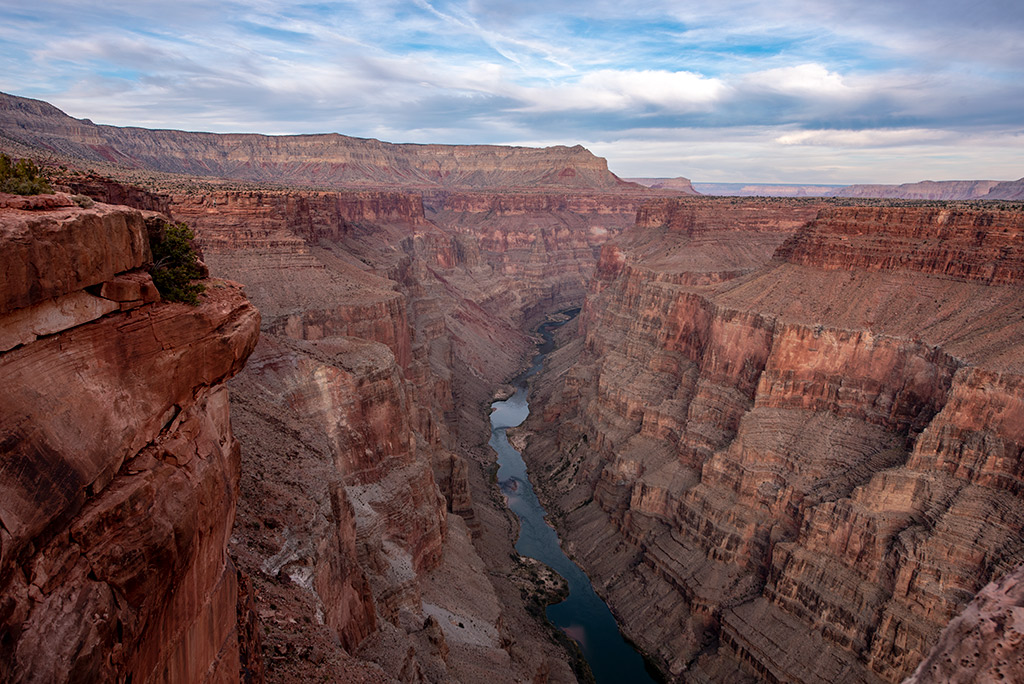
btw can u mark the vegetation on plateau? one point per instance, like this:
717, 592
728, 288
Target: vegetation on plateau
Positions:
176, 266
22, 177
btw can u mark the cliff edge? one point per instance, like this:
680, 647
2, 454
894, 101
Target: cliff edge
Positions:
119, 467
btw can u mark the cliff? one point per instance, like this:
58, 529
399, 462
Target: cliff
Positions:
120, 467
1007, 190
798, 466
326, 160
968, 244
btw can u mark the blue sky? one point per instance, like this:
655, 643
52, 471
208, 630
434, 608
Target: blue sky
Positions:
726, 90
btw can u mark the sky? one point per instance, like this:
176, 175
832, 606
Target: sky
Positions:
799, 91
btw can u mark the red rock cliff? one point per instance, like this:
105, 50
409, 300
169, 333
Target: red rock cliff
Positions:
120, 468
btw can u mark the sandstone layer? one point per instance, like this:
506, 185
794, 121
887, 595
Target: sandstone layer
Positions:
796, 467
120, 470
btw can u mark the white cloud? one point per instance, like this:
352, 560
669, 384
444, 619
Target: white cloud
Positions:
868, 138
617, 90
800, 80
855, 90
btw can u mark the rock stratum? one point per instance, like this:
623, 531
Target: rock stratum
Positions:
120, 470
322, 160
794, 453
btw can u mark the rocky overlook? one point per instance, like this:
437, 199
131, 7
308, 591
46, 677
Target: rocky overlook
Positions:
120, 469
800, 466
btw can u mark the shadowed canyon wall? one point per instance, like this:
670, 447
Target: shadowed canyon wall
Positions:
799, 467
120, 470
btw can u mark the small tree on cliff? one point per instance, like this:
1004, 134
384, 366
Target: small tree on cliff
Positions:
22, 177
176, 266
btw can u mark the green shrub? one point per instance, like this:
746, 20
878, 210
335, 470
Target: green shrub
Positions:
22, 177
176, 265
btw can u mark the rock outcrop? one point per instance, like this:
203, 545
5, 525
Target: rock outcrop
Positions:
799, 467
982, 644
120, 470
1007, 190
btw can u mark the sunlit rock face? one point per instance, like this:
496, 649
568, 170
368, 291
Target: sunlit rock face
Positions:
799, 463
120, 470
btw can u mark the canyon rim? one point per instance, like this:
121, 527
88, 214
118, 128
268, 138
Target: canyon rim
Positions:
784, 438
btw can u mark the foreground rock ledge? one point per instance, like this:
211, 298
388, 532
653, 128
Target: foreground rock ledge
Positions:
119, 468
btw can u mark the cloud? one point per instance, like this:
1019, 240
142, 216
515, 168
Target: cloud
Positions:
868, 138
801, 80
798, 79
628, 90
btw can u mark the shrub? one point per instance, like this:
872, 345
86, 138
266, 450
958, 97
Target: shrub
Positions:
176, 265
22, 177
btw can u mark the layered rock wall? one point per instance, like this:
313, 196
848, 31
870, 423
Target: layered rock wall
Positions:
120, 468
978, 245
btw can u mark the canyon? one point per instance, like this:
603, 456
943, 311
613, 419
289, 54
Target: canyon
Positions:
783, 439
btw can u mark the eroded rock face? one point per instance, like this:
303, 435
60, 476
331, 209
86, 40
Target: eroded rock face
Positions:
120, 468
813, 462
977, 245
923, 190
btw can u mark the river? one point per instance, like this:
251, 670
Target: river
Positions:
583, 615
